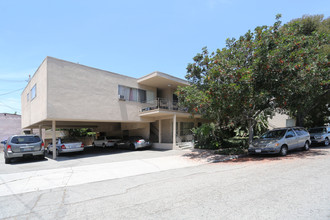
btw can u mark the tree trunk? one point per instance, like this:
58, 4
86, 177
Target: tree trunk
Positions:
300, 119
250, 124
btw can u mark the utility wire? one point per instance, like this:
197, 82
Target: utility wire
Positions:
12, 80
16, 109
11, 91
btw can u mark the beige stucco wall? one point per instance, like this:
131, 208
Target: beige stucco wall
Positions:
77, 92
280, 120
35, 110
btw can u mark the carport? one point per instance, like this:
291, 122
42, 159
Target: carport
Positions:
94, 125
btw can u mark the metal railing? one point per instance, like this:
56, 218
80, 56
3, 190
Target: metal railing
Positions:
161, 103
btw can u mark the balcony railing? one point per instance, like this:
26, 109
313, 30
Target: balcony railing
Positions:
162, 104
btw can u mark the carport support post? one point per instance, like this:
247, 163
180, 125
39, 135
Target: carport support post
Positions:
160, 131
54, 138
174, 131
40, 131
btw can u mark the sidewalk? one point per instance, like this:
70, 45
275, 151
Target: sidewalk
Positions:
22, 182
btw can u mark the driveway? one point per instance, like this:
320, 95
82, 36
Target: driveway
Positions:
106, 168
259, 187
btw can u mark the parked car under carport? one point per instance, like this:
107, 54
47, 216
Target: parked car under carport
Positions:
134, 143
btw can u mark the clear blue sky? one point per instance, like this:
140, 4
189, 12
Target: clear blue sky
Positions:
129, 37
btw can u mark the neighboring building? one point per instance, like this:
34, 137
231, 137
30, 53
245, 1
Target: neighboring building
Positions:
280, 120
63, 94
10, 124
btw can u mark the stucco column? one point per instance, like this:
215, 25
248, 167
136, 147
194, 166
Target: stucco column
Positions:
54, 138
40, 131
160, 131
174, 131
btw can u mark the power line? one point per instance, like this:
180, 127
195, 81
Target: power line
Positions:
13, 108
12, 80
11, 91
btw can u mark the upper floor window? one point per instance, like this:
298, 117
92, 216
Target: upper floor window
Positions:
33, 92
135, 95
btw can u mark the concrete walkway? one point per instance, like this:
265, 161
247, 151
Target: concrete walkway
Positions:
30, 181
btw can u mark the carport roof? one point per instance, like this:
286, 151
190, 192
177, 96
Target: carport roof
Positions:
74, 124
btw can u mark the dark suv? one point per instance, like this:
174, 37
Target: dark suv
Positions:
23, 146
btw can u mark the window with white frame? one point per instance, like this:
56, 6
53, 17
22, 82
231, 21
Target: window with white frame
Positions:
135, 95
33, 92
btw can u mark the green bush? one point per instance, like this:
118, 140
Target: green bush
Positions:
207, 136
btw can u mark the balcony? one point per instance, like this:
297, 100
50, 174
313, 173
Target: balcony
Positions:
162, 104
162, 107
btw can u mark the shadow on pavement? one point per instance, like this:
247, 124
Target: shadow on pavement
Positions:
198, 154
15, 161
90, 151
295, 154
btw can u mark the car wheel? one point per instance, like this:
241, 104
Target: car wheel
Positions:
284, 151
7, 160
42, 157
306, 146
326, 142
93, 145
103, 145
132, 147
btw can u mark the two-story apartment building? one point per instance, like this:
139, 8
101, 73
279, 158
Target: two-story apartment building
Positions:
63, 94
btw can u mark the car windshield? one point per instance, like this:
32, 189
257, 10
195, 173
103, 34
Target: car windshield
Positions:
25, 139
69, 140
113, 137
136, 138
273, 134
317, 130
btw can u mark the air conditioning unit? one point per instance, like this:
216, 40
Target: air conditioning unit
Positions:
121, 98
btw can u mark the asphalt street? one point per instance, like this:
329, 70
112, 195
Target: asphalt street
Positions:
258, 187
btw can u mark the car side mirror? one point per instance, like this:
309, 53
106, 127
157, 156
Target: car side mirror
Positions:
3, 142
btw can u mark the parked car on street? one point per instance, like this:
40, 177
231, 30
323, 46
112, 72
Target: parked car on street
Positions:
106, 141
66, 145
134, 142
23, 146
320, 135
280, 141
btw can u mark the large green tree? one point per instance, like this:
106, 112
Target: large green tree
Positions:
294, 65
270, 68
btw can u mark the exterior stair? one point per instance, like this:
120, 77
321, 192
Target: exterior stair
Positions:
185, 145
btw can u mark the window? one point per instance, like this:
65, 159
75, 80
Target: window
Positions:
142, 95
300, 131
33, 92
25, 139
185, 128
135, 95
290, 133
